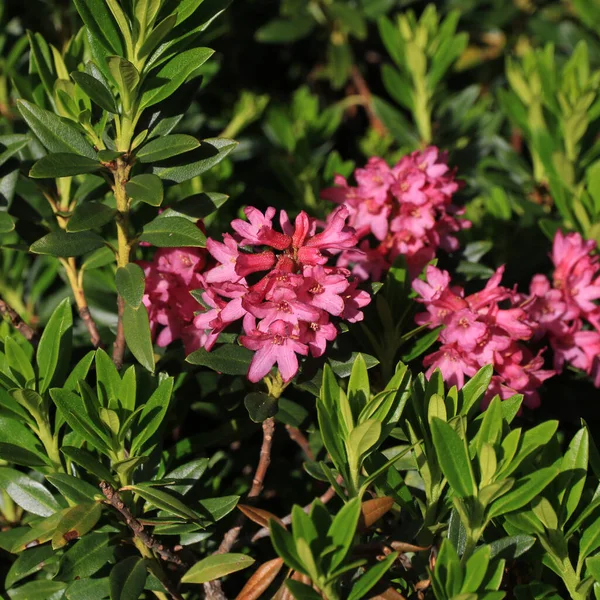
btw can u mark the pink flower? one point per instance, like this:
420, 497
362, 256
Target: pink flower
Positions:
463, 329
289, 307
278, 345
404, 210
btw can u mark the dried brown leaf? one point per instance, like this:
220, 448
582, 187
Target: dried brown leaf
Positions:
263, 577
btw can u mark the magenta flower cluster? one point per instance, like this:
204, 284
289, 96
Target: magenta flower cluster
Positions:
494, 326
478, 332
170, 277
564, 309
401, 210
278, 283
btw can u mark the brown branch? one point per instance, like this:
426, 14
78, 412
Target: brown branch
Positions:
76, 282
119, 345
213, 590
363, 89
25, 330
114, 499
297, 436
324, 498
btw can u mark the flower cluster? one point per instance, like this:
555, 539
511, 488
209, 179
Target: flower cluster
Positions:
170, 277
401, 210
478, 332
564, 309
279, 284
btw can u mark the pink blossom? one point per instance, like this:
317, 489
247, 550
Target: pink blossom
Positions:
278, 345
289, 307
404, 210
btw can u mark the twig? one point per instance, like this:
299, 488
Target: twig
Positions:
119, 346
297, 436
114, 499
324, 498
363, 89
27, 332
76, 282
212, 589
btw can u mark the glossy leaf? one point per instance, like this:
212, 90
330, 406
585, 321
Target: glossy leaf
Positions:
173, 232
63, 244
166, 147
128, 578
130, 284
91, 215
216, 566
137, 335
153, 414
146, 188
164, 501
55, 134
27, 493
96, 90
76, 523
228, 358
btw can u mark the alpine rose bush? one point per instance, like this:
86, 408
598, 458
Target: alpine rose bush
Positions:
279, 284
403, 210
564, 308
477, 332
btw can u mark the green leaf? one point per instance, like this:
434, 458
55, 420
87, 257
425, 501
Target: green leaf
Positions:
91, 215
285, 31
187, 475
63, 244
76, 523
108, 380
73, 488
359, 390
96, 89
18, 455
88, 589
216, 566
99, 258
27, 493
166, 147
260, 406
55, 343
63, 164
76, 414
27, 563
301, 591
153, 414
86, 557
137, 335
512, 547
43, 589
571, 480
173, 232
40, 54
473, 391
164, 501
590, 539
172, 75
361, 587
229, 359
128, 578
283, 542
196, 162
199, 206
55, 134
130, 284
363, 438
217, 508
342, 531
157, 35
126, 76
146, 188
476, 568
524, 491
87, 460
101, 24
6, 223
453, 458
15, 433
18, 362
